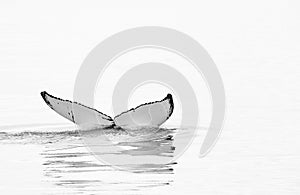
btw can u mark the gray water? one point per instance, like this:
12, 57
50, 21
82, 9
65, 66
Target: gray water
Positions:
48, 162
58, 162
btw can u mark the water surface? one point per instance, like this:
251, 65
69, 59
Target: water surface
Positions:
59, 161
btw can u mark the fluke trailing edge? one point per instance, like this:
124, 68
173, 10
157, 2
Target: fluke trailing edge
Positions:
152, 114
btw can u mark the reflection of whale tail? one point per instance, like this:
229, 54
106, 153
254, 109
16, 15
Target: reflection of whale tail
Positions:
151, 114
84, 115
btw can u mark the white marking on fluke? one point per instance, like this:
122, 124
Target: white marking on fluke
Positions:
152, 114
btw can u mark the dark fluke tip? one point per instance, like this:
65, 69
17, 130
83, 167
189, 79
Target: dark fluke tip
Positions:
169, 96
43, 93
170, 99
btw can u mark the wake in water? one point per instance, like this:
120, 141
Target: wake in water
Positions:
68, 162
77, 160
115, 135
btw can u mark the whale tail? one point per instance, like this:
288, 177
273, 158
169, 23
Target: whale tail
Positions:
152, 114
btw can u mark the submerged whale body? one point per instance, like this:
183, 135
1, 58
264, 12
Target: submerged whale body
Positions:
152, 114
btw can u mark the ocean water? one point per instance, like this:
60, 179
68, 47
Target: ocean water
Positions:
59, 161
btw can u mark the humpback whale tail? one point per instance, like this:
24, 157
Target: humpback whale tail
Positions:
152, 114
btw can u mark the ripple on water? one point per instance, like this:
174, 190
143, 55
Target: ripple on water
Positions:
68, 164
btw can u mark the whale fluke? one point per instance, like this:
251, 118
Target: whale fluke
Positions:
152, 114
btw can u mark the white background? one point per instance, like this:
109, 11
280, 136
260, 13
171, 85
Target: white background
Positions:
255, 44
